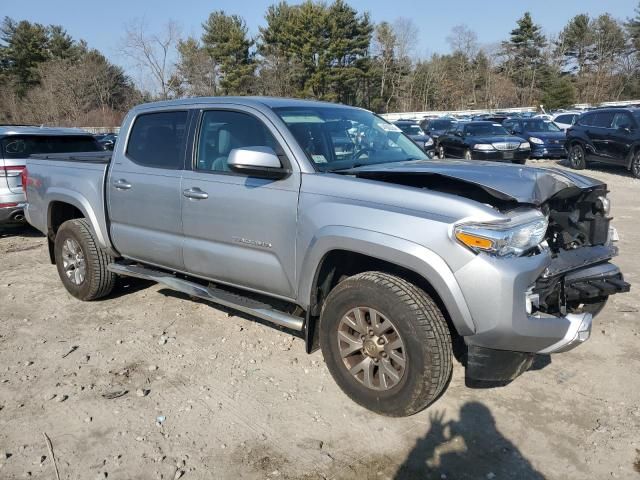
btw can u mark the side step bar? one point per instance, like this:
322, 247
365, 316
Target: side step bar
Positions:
215, 295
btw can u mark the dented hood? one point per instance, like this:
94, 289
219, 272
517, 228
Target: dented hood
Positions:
532, 185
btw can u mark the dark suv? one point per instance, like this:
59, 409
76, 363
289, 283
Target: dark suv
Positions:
609, 135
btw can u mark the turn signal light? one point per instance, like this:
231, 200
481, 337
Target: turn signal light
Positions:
474, 241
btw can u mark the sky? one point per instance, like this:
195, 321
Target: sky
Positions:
102, 24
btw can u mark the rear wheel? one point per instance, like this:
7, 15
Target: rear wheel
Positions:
635, 164
82, 264
386, 343
577, 157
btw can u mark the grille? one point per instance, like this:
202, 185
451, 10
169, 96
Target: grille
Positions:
506, 145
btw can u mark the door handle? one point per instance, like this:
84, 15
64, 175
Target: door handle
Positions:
195, 193
121, 184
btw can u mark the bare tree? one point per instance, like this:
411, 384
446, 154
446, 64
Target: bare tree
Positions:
153, 53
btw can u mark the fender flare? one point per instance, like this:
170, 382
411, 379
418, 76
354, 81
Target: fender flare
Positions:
397, 251
81, 203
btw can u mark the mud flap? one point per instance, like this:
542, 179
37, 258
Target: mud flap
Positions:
488, 368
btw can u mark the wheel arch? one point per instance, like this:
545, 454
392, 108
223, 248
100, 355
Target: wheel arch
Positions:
66, 205
346, 251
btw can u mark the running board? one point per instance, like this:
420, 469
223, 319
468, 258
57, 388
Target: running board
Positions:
215, 295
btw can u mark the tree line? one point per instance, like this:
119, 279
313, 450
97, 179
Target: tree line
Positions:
327, 51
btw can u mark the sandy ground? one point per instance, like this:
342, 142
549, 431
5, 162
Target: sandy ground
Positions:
214, 395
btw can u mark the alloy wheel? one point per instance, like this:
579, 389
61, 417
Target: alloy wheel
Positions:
577, 156
73, 261
371, 348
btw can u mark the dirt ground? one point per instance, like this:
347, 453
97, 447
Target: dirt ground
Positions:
208, 394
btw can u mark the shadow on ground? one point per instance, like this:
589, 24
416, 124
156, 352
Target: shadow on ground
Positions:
19, 230
469, 448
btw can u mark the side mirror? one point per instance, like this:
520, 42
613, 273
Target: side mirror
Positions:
259, 162
624, 129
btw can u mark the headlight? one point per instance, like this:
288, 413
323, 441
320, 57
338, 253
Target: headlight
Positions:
483, 146
429, 142
525, 146
514, 237
536, 140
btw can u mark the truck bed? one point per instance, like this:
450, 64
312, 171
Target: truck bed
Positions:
74, 178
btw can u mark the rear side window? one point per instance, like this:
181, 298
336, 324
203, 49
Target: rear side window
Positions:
603, 119
564, 119
21, 146
158, 139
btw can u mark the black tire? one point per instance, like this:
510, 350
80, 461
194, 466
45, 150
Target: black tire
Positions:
467, 155
441, 152
520, 162
635, 164
98, 281
421, 326
577, 157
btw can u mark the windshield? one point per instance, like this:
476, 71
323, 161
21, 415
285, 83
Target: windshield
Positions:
440, 124
485, 129
21, 146
336, 138
410, 129
539, 126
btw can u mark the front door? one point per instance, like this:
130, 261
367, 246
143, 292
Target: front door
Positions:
143, 190
239, 229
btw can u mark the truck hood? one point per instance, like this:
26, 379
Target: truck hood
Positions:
529, 185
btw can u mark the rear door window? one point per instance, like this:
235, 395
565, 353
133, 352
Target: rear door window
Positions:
158, 140
622, 120
603, 119
21, 146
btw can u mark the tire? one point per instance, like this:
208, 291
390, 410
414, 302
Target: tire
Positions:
520, 162
467, 155
414, 318
76, 244
577, 157
441, 153
635, 164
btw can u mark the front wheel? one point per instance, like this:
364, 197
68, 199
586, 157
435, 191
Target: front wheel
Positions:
577, 157
386, 343
441, 153
467, 154
82, 264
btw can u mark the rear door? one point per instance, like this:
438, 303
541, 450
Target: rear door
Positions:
239, 229
621, 135
143, 189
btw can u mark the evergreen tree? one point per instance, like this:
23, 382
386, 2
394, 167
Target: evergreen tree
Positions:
524, 53
226, 40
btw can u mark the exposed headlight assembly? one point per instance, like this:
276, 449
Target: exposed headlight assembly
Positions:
429, 142
536, 140
483, 146
504, 239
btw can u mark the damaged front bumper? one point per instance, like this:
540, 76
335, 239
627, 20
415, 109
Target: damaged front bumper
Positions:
505, 305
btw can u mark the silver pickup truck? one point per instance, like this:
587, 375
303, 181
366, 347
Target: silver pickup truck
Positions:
379, 256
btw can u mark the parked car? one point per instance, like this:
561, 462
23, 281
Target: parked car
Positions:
16, 144
495, 118
437, 126
609, 135
564, 120
379, 258
545, 138
412, 130
483, 141
107, 140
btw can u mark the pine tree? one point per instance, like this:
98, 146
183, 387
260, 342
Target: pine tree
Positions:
226, 40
